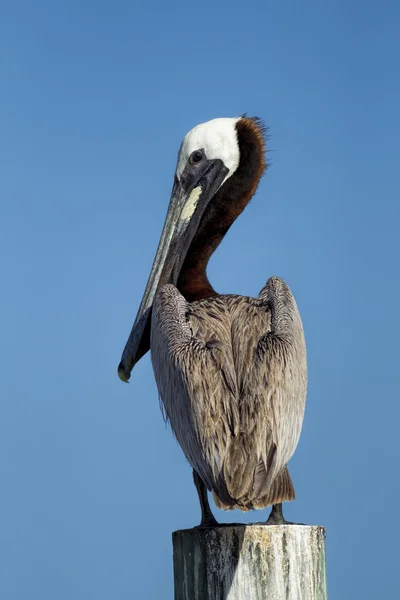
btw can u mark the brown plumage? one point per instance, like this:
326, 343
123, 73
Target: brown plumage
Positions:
231, 370
228, 203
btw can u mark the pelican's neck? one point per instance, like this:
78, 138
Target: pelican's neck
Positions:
223, 210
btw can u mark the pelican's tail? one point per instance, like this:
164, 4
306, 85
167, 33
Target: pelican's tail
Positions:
281, 490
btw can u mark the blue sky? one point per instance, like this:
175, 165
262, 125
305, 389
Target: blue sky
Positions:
95, 98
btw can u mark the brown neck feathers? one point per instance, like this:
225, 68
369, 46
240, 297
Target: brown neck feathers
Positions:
224, 209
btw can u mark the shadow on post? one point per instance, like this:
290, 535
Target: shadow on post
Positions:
205, 561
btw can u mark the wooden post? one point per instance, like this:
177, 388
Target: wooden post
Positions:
250, 562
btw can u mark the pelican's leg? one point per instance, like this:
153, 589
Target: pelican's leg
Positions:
276, 516
207, 518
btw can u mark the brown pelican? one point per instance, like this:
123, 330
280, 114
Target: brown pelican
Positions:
231, 370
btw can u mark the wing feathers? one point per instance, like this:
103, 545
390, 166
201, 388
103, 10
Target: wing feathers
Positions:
231, 372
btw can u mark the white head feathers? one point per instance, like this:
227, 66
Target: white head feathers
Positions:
218, 138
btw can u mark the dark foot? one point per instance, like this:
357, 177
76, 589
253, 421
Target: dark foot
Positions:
207, 518
276, 517
209, 522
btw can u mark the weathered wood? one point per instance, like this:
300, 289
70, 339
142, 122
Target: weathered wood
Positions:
253, 562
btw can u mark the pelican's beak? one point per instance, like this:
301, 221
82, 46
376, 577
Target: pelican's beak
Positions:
189, 199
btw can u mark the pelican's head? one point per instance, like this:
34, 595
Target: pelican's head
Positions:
209, 156
214, 140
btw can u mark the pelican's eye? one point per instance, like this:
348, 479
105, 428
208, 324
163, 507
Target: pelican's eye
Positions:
196, 157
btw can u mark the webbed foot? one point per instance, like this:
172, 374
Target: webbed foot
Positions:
276, 517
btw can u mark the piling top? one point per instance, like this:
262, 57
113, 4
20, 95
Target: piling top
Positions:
253, 528
251, 562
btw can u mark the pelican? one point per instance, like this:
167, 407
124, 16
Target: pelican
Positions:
230, 370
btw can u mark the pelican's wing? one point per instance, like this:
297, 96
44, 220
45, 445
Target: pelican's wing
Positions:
193, 367
274, 386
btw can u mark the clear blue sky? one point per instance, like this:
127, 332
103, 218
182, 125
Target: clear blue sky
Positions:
95, 98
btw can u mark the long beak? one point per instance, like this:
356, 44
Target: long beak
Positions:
189, 199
